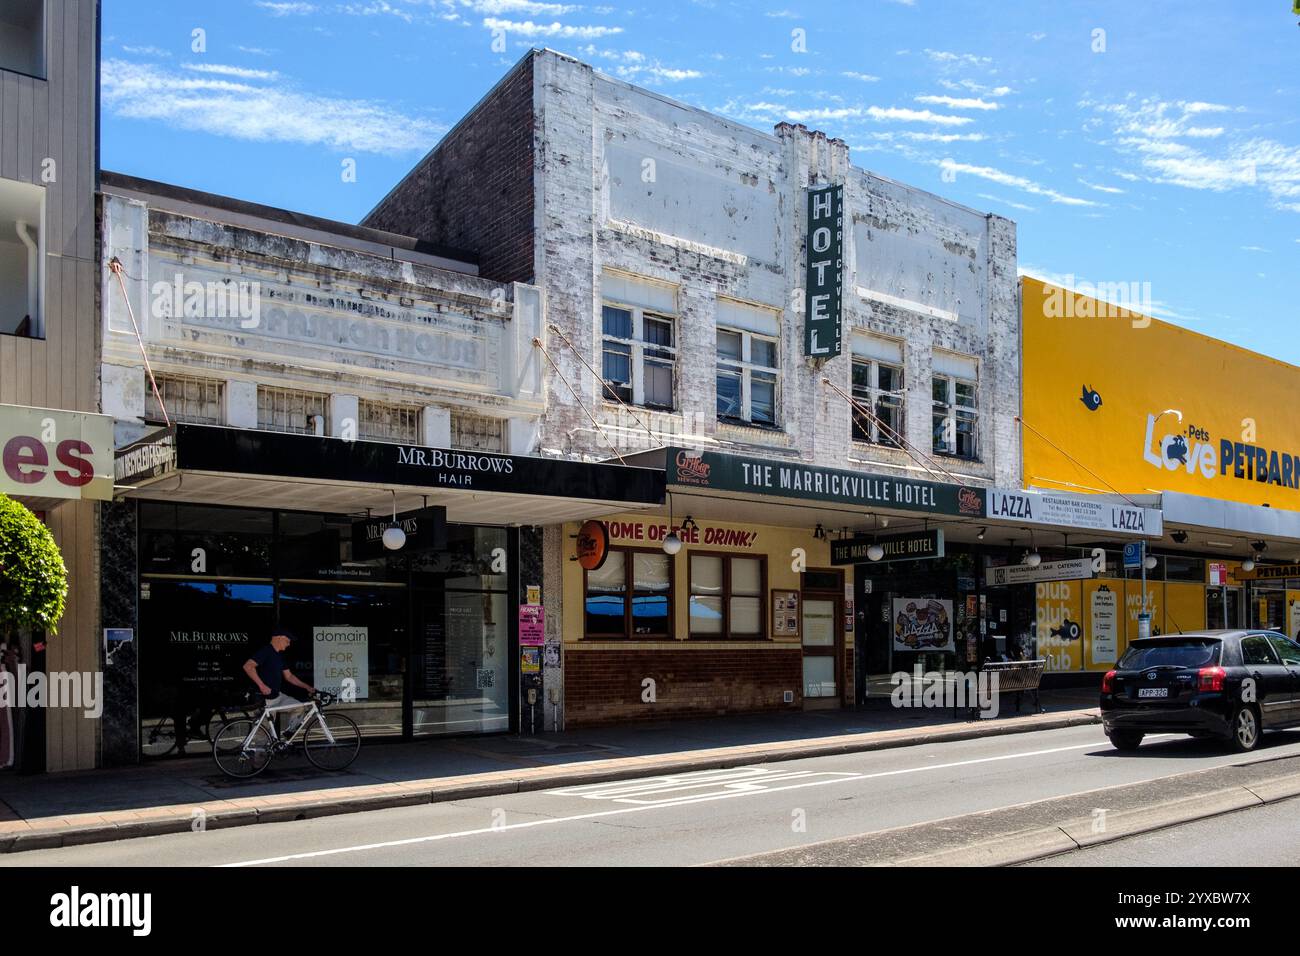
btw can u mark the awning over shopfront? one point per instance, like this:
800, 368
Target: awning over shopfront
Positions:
231, 466
769, 491
1232, 527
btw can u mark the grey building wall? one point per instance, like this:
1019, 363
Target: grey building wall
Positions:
49, 138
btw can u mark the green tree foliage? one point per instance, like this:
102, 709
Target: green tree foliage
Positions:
33, 578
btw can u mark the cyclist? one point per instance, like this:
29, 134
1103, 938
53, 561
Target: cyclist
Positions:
268, 670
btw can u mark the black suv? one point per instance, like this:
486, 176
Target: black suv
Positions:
1227, 684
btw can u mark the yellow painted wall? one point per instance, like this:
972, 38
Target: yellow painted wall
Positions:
1058, 604
1141, 368
778, 544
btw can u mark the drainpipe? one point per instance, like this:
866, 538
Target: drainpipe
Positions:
33, 273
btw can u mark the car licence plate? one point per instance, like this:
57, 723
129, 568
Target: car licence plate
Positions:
1153, 691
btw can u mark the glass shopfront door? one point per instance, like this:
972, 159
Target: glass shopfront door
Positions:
461, 657
351, 642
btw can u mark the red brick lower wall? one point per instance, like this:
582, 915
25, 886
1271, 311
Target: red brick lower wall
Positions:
604, 686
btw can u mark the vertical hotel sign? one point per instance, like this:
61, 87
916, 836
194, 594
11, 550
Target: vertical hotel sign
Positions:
824, 281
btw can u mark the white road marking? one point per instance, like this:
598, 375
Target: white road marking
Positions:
549, 821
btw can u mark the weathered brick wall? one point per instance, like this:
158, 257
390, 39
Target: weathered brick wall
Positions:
474, 191
604, 686
631, 182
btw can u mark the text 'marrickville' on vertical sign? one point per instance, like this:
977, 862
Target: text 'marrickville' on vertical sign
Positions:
823, 286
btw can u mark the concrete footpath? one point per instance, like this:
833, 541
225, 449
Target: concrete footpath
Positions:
181, 793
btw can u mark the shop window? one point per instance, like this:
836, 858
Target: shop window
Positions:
477, 433
392, 423
290, 410
727, 596
630, 595
22, 37
878, 386
639, 356
22, 217
1179, 568
748, 377
186, 399
956, 416
204, 541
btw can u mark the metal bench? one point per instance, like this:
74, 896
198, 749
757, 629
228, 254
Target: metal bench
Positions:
1018, 677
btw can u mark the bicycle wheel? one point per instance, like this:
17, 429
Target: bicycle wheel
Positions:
159, 739
242, 748
332, 741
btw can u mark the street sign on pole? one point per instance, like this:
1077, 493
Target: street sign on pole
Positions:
1132, 555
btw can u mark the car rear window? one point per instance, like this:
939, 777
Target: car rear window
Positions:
1181, 653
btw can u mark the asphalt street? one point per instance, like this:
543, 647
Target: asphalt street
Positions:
693, 818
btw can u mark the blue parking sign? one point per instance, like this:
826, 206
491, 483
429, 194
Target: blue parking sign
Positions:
1133, 555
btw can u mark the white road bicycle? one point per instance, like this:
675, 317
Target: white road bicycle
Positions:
244, 747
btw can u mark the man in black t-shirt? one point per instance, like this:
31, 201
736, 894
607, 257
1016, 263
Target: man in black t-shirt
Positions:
268, 671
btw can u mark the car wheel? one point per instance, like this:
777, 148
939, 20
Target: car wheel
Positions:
1126, 741
1245, 730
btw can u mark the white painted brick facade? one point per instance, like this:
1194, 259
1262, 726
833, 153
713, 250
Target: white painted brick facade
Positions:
724, 216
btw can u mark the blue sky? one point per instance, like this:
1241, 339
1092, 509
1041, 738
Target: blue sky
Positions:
1154, 142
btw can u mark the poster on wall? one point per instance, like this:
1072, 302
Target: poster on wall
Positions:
532, 625
923, 624
339, 654
1293, 615
1057, 612
1105, 625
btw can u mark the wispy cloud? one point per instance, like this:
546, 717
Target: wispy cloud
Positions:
1114, 190
905, 115
566, 31
1010, 179
531, 8
958, 102
970, 86
219, 69
1007, 202
772, 112
146, 51
864, 77
263, 113
377, 8
1172, 148
289, 9
948, 58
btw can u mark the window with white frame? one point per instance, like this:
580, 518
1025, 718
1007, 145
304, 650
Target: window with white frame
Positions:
749, 376
380, 421
638, 342
186, 398
877, 416
955, 391
291, 410
470, 432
